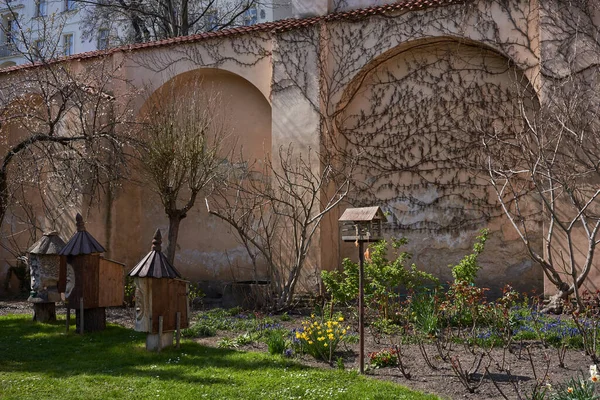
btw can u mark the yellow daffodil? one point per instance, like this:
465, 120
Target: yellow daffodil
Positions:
570, 389
340, 319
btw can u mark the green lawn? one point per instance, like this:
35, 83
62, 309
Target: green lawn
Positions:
40, 361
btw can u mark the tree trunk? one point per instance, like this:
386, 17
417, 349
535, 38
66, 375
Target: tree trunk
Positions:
3, 196
556, 303
94, 319
174, 221
185, 24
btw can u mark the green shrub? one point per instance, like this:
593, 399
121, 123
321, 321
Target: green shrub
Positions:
384, 278
467, 268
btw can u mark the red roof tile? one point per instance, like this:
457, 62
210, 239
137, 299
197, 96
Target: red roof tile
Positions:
275, 26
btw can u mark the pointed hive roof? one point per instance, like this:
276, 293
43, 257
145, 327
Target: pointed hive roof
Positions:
155, 264
50, 243
81, 242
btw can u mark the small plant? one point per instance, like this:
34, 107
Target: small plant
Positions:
577, 389
129, 298
247, 338
195, 294
275, 341
285, 317
199, 330
320, 338
383, 359
340, 364
424, 313
227, 343
467, 268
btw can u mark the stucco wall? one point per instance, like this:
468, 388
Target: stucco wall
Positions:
306, 86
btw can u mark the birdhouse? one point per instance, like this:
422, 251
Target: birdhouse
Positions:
44, 262
161, 302
89, 281
363, 224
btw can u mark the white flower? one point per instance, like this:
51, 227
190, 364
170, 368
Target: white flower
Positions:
594, 377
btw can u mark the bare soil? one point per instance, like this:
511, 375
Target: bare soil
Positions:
441, 381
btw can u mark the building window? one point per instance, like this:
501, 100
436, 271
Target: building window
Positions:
41, 8
69, 5
68, 44
212, 20
103, 39
12, 32
250, 16
38, 49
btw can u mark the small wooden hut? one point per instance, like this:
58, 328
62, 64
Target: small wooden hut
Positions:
44, 262
161, 301
89, 281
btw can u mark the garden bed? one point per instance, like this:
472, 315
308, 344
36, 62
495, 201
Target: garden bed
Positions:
236, 332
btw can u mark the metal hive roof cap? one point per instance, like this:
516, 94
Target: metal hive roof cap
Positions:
50, 243
155, 264
81, 242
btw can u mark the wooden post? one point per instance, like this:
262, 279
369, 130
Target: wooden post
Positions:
178, 337
68, 314
361, 307
81, 319
160, 332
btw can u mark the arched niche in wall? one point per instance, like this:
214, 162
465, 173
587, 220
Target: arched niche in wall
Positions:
417, 118
206, 248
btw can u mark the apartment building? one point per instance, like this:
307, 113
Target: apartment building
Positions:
33, 29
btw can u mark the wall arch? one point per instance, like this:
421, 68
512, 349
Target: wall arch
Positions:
416, 115
207, 249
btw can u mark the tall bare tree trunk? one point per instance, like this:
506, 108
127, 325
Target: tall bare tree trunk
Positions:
174, 222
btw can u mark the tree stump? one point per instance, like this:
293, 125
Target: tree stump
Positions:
44, 312
94, 319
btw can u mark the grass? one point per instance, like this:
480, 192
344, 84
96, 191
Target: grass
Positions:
40, 361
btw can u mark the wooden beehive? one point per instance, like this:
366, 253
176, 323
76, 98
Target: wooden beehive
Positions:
85, 274
159, 292
362, 224
44, 260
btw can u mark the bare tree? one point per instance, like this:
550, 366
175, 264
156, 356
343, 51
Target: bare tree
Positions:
146, 20
546, 172
182, 149
276, 211
63, 143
